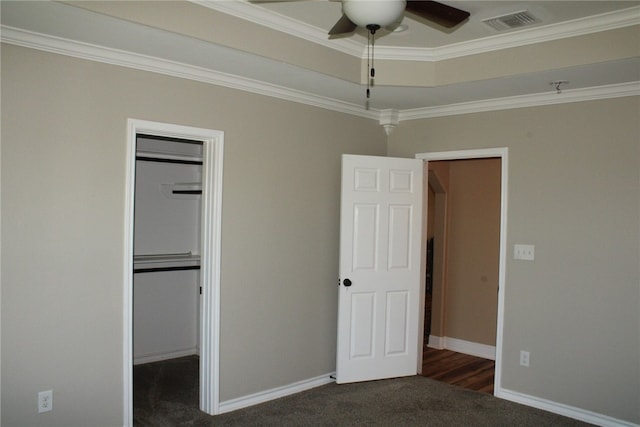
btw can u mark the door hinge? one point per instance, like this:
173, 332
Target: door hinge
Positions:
200, 290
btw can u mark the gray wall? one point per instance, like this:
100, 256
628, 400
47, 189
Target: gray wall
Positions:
574, 174
574, 179
63, 194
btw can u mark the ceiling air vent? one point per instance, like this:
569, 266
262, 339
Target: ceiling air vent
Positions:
511, 21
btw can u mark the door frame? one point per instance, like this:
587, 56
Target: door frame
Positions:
502, 153
210, 229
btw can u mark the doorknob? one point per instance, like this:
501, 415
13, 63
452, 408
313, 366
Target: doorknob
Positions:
346, 282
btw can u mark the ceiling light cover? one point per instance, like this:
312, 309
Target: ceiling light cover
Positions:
378, 12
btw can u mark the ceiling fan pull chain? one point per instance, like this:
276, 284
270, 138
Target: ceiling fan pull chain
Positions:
368, 64
373, 53
371, 41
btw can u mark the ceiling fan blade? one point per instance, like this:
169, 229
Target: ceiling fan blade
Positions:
343, 26
447, 16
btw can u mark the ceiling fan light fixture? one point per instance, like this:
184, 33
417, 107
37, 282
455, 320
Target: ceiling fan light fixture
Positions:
373, 12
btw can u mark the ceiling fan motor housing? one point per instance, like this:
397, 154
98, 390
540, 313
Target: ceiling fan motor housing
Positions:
373, 12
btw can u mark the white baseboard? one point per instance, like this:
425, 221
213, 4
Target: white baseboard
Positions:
535, 402
436, 342
462, 346
157, 357
562, 409
489, 352
274, 393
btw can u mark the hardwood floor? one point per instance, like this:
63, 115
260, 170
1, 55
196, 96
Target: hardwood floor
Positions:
470, 372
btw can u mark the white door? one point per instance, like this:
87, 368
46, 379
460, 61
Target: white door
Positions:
380, 236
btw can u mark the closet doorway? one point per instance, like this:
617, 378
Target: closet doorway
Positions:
172, 255
166, 247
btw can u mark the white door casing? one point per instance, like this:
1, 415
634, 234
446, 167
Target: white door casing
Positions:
380, 238
211, 225
503, 154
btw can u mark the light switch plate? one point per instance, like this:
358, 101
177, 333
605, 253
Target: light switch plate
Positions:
524, 252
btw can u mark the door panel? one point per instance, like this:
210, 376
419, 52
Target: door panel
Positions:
397, 323
399, 237
365, 236
363, 307
380, 233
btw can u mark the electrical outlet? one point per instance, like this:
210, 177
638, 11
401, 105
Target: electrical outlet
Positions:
524, 358
524, 252
45, 401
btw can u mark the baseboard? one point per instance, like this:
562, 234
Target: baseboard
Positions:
274, 393
489, 352
561, 409
157, 357
462, 346
436, 342
524, 399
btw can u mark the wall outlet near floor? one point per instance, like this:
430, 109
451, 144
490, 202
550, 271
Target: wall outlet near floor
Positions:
524, 252
524, 358
45, 401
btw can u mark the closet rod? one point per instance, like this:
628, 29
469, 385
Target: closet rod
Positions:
159, 269
186, 192
161, 160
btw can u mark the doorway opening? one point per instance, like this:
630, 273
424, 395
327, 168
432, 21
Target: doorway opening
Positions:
464, 268
172, 252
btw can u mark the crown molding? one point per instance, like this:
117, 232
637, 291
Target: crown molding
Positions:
137, 61
111, 56
577, 27
534, 100
259, 15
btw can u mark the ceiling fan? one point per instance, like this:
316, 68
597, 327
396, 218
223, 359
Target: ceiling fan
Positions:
376, 14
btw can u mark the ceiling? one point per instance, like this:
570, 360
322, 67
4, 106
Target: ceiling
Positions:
85, 30
423, 34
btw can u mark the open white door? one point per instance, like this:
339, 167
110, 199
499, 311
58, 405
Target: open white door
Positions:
380, 237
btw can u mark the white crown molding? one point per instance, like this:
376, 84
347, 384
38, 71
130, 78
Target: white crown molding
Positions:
386, 117
389, 120
577, 27
591, 24
534, 100
258, 15
137, 61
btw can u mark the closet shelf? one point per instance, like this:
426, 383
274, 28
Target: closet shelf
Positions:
165, 262
185, 159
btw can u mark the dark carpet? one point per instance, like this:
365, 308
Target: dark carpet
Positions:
166, 394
